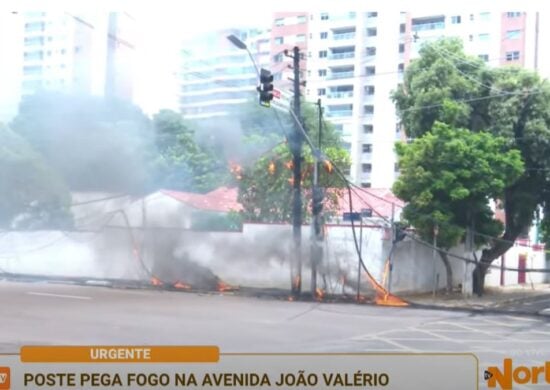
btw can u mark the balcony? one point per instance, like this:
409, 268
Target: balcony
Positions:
343, 36
339, 114
340, 56
340, 95
428, 26
340, 75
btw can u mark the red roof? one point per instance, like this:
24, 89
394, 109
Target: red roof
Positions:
222, 199
380, 200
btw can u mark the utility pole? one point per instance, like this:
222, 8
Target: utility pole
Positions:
296, 145
316, 253
393, 242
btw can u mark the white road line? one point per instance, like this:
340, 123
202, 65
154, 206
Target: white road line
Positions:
58, 295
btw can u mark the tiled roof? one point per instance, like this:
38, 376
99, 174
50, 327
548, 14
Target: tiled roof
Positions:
222, 199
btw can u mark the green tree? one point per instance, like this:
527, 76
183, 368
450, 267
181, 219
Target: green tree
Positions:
183, 164
33, 196
95, 143
265, 185
447, 176
448, 86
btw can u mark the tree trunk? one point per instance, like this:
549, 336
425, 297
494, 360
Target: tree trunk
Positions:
448, 271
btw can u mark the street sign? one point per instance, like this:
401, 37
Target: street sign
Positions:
276, 93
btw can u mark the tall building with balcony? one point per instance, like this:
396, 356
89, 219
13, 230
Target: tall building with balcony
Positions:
355, 60
89, 53
11, 68
289, 29
216, 77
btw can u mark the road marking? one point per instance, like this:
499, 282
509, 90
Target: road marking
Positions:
58, 295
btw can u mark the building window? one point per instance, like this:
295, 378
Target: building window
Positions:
484, 57
323, 54
401, 68
365, 185
366, 168
369, 89
367, 148
77, 49
278, 58
302, 19
397, 128
401, 48
371, 51
485, 16
372, 14
396, 167
300, 38
513, 14
321, 91
370, 70
456, 19
368, 129
513, 34
279, 22
483, 37
324, 35
512, 55
471, 17
371, 32
279, 40
322, 72
369, 110
324, 16
402, 28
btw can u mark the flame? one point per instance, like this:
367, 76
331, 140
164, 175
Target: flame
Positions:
386, 272
271, 168
223, 287
319, 293
328, 166
291, 298
156, 281
182, 286
236, 170
289, 164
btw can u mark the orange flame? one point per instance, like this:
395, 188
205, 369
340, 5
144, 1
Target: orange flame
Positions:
289, 164
328, 166
156, 281
236, 170
223, 287
182, 286
271, 168
319, 294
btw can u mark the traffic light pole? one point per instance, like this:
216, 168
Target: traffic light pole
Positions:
296, 147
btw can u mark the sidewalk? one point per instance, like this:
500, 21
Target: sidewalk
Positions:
494, 299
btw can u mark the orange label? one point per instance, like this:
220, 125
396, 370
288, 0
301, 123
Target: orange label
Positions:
4, 378
119, 354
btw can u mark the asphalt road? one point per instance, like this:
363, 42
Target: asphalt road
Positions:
46, 313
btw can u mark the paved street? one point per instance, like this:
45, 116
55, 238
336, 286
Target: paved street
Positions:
46, 313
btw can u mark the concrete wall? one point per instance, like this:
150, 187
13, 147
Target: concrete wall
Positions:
256, 257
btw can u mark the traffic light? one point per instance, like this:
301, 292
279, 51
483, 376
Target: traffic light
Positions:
266, 88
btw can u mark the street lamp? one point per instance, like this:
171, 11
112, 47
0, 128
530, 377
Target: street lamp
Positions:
241, 45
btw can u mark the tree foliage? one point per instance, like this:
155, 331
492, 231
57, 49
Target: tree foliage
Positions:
182, 163
33, 196
447, 177
265, 185
447, 86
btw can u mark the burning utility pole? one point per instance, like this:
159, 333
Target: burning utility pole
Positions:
296, 144
316, 208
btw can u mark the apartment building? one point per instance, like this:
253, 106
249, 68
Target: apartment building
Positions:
90, 53
216, 77
11, 68
355, 60
289, 29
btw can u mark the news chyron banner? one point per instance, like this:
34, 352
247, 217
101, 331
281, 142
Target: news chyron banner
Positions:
205, 367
